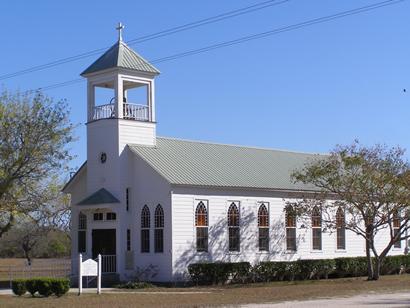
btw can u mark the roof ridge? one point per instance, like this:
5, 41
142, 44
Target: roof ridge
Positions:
237, 146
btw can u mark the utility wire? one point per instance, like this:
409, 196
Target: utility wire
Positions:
254, 36
184, 27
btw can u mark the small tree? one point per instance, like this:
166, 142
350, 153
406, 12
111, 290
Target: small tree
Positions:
34, 134
371, 185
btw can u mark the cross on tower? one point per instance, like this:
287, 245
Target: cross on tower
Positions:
119, 28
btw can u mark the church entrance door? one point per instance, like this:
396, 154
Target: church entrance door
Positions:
104, 243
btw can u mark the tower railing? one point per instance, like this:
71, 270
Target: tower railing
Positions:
135, 112
130, 112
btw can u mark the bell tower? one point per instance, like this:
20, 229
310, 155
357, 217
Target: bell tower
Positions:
121, 119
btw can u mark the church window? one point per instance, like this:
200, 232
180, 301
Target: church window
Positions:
233, 227
340, 229
127, 199
396, 227
128, 239
290, 218
159, 229
263, 225
98, 216
316, 229
145, 228
111, 216
201, 223
82, 232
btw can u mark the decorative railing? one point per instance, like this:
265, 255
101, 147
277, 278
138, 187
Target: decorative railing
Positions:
135, 112
108, 263
104, 112
130, 112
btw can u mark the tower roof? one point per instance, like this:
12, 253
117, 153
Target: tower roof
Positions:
121, 56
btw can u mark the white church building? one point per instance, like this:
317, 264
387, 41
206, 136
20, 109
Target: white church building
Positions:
142, 201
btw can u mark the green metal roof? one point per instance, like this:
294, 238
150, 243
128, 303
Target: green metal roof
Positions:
101, 196
120, 55
195, 163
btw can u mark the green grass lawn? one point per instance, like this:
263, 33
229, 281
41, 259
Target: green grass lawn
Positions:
219, 295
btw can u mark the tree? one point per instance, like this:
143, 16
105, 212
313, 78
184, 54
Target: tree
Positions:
34, 134
371, 185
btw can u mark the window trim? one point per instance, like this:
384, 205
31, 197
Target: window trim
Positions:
203, 227
234, 227
265, 227
340, 227
396, 219
290, 227
314, 228
113, 216
159, 222
99, 214
128, 240
127, 199
145, 229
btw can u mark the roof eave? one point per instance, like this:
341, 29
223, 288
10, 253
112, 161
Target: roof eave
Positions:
73, 178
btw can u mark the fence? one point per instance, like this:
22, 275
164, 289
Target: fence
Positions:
18, 268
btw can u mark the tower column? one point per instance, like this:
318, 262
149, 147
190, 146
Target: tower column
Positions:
90, 100
119, 94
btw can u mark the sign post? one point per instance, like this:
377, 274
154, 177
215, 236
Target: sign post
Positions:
99, 275
89, 268
80, 276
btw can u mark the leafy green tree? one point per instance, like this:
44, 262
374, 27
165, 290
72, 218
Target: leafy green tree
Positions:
34, 133
372, 187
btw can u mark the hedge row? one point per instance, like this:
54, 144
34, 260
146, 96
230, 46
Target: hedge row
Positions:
219, 272
214, 273
44, 286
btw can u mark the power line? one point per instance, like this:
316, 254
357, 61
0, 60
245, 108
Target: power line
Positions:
184, 27
255, 36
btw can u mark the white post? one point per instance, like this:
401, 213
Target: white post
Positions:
99, 275
80, 276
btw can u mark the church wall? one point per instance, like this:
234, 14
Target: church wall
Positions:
136, 132
185, 200
77, 192
149, 188
102, 136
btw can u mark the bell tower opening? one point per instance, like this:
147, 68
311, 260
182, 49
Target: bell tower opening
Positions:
124, 97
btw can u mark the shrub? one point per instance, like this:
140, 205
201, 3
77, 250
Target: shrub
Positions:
19, 286
44, 286
60, 286
351, 267
271, 271
315, 269
31, 285
219, 272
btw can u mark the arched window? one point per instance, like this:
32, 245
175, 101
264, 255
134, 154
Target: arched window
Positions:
340, 228
159, 229
396, 227
201, 224
290, 220
263, 225
316, 229
145, 226
233, 227
82, 233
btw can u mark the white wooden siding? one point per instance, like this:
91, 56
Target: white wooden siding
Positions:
184, 241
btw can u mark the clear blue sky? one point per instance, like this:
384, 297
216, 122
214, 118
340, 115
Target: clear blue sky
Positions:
304, 90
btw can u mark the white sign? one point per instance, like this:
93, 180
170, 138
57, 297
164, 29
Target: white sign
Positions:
89, 268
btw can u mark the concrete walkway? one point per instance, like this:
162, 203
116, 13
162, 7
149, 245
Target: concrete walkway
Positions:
372, 299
